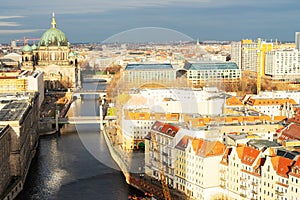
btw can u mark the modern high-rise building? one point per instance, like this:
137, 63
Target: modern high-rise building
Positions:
297, 40
249, 54
282, 64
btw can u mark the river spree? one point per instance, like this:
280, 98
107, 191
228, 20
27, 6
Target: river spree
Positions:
65, 169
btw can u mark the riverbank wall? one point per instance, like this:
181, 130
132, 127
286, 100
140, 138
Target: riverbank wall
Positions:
116, 156
144, 183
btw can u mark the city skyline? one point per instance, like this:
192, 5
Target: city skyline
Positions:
95, 21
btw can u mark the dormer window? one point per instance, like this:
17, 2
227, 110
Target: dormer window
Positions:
159, 128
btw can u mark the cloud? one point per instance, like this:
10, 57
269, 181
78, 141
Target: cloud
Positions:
10, 17
9, 24
20, 31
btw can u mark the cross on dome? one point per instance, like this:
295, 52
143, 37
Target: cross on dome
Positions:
53, 20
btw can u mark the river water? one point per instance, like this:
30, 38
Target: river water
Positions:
66, 167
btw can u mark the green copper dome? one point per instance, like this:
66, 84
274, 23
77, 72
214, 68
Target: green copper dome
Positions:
27, 48
71, 54
53, 36
33, 47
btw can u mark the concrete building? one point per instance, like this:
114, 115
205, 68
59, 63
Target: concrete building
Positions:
250, 55
206, 101
236, 53
281, 94
282, 64
211, 72
21, 114
18, 81
149, 73
297, 40
54, 57
276, 108
5, 151
145, 106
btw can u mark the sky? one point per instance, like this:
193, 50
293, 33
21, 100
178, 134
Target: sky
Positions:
119, 20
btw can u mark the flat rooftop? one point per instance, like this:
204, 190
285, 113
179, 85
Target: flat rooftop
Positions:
148, 67
261, 143
210, 65
13, 111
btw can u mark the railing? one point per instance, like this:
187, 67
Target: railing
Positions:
243, 195
222, 179
254, 183
254, 192
243, 187
280, 193
243, 179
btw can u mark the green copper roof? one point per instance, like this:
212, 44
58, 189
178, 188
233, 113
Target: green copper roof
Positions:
53, 36
141, 66
33, 47
27, 48
71, 54
210, 66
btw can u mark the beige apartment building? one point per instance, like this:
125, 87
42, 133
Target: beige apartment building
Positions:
197, 167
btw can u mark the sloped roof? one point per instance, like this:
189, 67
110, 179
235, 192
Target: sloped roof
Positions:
202, 147
292, 131
182, 144
281, 165
249, 155
165, 128
234, 101
206, 148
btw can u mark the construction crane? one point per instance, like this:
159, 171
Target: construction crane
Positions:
163, 181
30, 39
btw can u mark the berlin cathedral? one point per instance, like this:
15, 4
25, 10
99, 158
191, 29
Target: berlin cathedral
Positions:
54, 57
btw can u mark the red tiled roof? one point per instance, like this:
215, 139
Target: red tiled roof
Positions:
281, 165
202, 147
165, 128
208, 148
296, 168
249, 155
292, 131
295, 119
182, 144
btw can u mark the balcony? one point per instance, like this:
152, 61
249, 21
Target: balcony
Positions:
254, 183
223, 186
254, 192
279, 193
222, 179
222, 171
243, 195
243, 179
164, 154
243, 187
